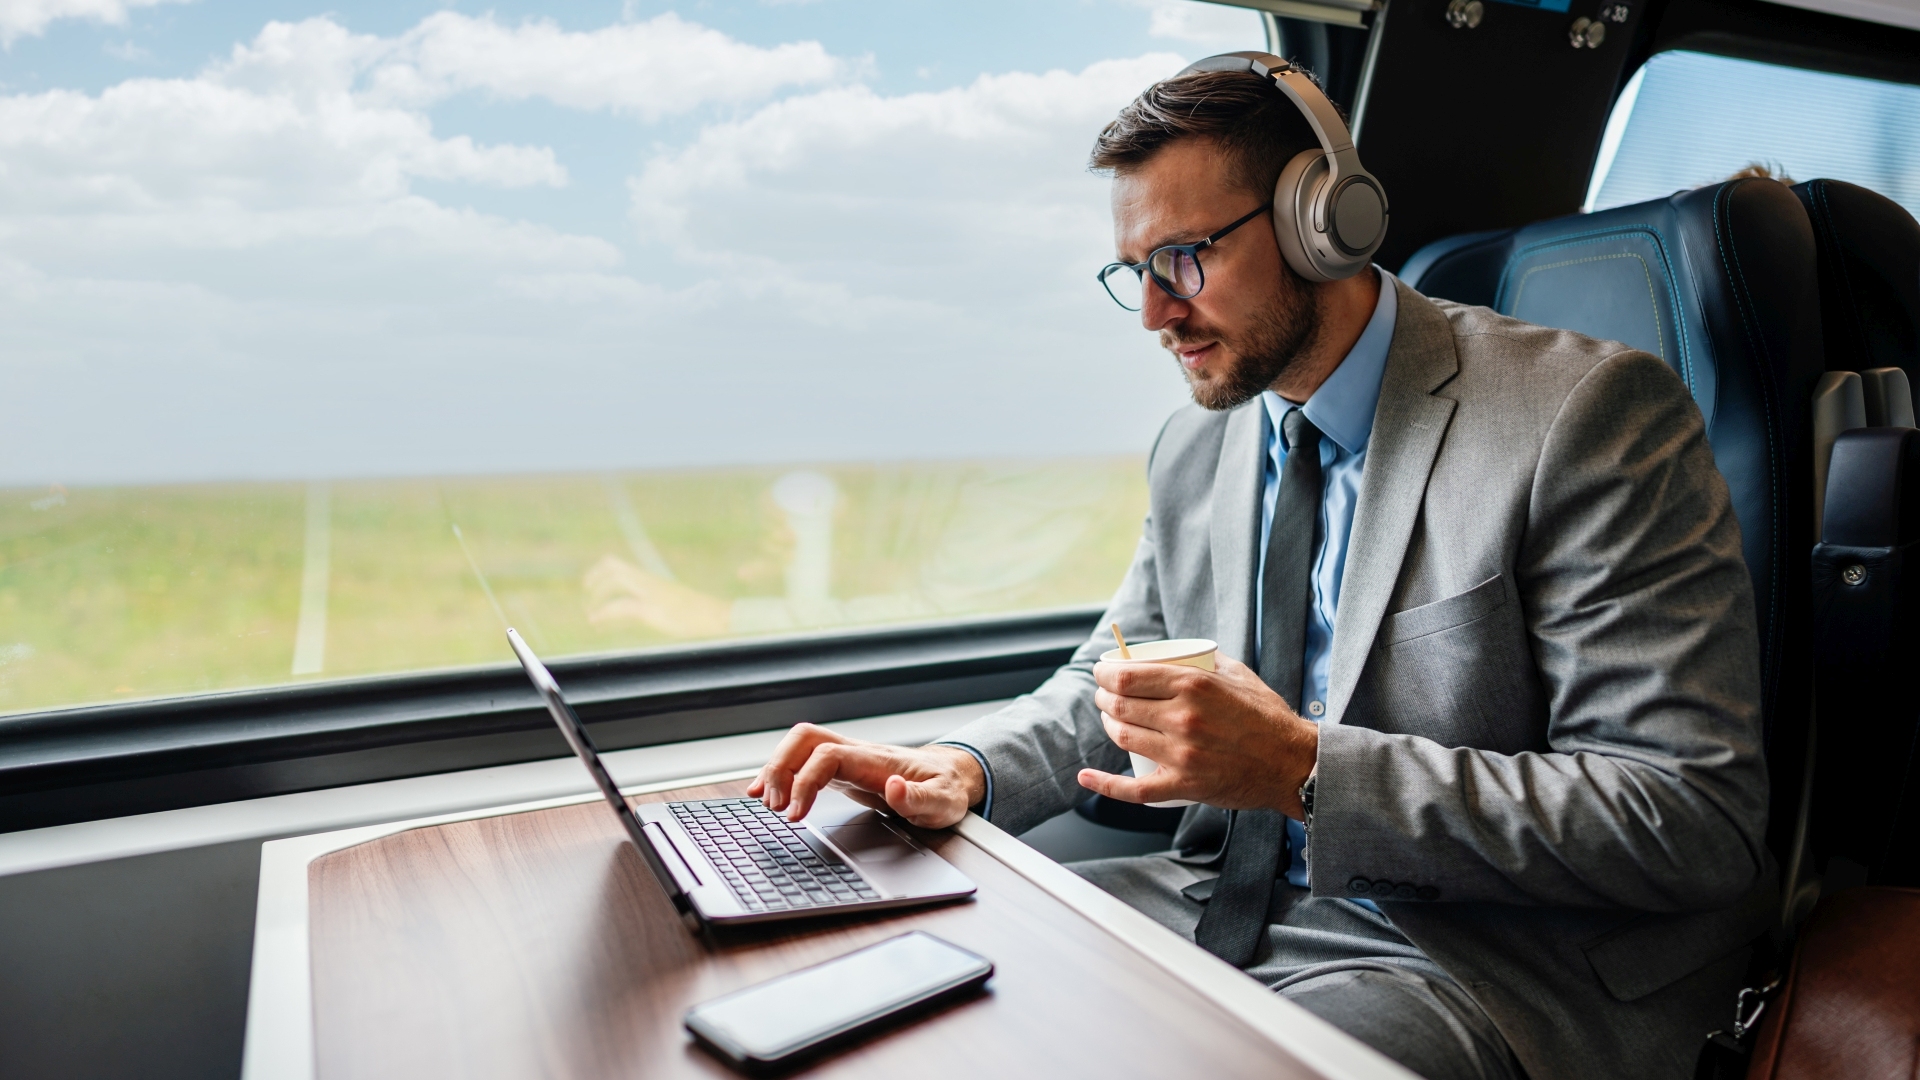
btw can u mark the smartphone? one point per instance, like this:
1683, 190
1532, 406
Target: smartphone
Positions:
786, 1019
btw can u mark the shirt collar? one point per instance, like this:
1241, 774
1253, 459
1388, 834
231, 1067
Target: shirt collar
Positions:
1342, 408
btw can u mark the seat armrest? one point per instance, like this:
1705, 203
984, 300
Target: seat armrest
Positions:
1868, 504
1866, 634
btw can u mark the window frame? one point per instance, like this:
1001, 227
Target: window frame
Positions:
1784, 36
86, 763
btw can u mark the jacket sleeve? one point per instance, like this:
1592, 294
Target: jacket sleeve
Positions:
1651, 792
1037, 745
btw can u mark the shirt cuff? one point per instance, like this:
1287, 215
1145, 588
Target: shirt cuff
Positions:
986, 801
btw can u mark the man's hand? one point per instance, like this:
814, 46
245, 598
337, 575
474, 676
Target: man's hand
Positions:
930, 786
1220, 737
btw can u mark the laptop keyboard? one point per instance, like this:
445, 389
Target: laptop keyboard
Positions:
764, 858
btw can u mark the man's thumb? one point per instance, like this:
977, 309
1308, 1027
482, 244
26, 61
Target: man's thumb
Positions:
905, 797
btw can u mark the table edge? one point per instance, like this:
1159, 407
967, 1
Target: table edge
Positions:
1316, 1043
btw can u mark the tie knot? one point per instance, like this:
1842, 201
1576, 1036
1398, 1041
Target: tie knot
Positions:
1299, 431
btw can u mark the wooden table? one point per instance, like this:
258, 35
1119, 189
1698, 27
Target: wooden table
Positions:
537, 944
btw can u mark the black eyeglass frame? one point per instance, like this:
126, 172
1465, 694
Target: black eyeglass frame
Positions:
1192, 251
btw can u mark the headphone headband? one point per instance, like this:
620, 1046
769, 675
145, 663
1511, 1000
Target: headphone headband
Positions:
1307, 97
1330, 214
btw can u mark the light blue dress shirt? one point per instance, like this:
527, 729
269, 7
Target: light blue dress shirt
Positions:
1342, 408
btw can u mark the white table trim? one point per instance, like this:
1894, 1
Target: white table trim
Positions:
1319, 1045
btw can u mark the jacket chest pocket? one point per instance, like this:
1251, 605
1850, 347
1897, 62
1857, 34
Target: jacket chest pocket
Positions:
1460, 671
1457, 610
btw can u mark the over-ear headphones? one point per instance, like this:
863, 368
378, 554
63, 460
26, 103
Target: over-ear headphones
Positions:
1329, 213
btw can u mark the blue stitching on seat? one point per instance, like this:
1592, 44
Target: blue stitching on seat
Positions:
1776, 467
1659, 242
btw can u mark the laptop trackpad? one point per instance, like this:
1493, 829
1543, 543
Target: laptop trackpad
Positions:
870, 842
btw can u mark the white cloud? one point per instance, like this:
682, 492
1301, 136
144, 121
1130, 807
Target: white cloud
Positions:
1011, 140
253, 246
309, 117
863, 189
310, 128
651, 69
30, 18
1214, 27
275, 130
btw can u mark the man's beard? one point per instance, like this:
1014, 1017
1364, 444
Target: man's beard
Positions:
1278, 336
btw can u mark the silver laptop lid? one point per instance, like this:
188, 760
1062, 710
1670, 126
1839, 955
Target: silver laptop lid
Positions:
582, 743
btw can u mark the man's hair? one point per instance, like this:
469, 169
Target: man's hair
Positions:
1245, 115
1763, 170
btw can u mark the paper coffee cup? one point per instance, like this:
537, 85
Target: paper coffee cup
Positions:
1187, 652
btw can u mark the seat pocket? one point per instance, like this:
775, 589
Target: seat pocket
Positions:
1456, 610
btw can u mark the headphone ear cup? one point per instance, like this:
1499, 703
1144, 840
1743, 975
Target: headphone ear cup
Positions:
1293, 212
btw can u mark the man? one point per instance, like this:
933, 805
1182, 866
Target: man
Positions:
1517, 820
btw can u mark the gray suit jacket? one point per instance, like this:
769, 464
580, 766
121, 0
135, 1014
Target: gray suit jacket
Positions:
1542, 752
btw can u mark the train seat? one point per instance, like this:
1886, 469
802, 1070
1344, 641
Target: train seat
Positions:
1866, 803
1869, 259
1720, 283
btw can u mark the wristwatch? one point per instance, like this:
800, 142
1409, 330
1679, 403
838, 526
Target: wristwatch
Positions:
1306, 799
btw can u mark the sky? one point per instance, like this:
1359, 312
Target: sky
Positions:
1692, 118
278, 240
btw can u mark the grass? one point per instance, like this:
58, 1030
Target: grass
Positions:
117, 593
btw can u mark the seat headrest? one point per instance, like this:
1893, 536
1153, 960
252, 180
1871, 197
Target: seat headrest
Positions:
1464, 269
1869, 249
1658, 276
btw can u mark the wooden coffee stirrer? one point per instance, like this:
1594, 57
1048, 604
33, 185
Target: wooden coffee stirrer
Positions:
1124, 654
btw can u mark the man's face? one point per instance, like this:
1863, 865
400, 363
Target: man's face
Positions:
1254, 316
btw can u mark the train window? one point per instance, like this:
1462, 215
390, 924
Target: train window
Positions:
1690, 118
333, 341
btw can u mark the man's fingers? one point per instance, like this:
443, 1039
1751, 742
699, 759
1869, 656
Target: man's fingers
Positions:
1169, 714
798, 743
903, 798
1128, 710
810, 758
1159, 786
774, 785
796, 747
817, 773
1113, 787
1144, 680
1135, 739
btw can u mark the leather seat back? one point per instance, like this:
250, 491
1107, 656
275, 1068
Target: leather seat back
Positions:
1866, 580
1869, 256
1720, 283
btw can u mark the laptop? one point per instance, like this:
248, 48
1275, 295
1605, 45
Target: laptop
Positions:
730, 861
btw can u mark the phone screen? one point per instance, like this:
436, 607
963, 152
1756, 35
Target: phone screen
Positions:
790, 1013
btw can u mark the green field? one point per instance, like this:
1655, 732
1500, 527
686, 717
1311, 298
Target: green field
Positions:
115, 593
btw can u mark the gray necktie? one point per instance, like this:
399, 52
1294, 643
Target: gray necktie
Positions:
1236, 916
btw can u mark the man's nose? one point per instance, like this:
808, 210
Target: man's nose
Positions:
1158, 308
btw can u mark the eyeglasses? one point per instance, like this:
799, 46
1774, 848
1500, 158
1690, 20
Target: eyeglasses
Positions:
1175, 268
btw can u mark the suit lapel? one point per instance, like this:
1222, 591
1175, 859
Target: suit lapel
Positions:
1235, 528
1407, 427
